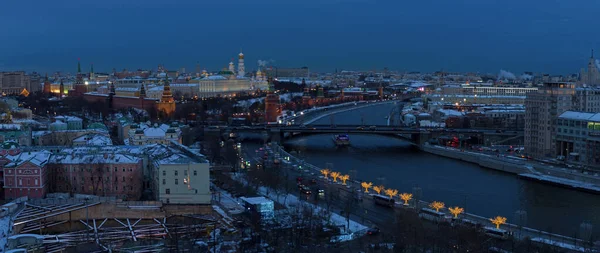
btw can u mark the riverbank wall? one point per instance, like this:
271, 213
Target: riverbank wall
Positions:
532, 171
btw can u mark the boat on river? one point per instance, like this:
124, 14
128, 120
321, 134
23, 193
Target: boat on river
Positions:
341, 140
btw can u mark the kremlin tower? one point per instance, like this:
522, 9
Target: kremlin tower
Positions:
47, 86
79, 87
166, 103
272, 107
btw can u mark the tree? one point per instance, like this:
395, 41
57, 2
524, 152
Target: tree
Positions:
335, 175
437, 205
406, 197
456, 211
325, 172
378, 188
367, 186
498, 220
391, 192
344, 178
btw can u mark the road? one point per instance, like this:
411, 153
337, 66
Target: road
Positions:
362, 208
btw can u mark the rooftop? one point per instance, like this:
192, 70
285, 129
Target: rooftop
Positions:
39, 158
587, 116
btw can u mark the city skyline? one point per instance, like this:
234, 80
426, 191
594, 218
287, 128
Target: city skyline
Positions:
485, 38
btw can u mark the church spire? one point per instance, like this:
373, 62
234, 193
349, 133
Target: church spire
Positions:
92, 75
112, 88
78, 65
143, 91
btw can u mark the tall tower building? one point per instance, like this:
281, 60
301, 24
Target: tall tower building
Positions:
166, 105
591, 77
92, 75
272, 107
241, 67
542, 109
79, 87
61, 89
47, 85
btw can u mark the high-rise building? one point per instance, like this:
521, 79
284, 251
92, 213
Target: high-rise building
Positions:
578, 138
590, 77
587, 99
542, 109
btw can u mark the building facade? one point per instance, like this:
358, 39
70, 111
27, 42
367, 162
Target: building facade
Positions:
180, 176
578, 138
25, 174
587, 99
13, 83
542, 109
97, 173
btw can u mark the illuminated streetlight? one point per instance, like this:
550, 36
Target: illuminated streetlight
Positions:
366, 186
456, 211
391, 192
437, 205
406, 197
335, 175
325, 172
344, 178
378, 188
499, 220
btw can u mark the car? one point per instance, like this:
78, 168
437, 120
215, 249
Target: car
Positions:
372, 127
360, 128
306, 190
373, 231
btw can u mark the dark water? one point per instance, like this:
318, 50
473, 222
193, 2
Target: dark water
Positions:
485, 192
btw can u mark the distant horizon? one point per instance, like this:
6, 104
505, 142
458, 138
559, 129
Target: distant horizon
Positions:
426, 36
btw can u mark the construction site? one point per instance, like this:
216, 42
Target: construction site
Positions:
99, 224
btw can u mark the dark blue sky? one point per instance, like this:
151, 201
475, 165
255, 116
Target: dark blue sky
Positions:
553, 36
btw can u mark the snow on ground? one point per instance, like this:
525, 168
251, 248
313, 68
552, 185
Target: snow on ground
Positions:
230, 203
559, 244
288, 96
292, 202
249, 102
5, 225
226, 218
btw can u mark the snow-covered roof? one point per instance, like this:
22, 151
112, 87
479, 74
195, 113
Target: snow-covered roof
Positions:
216, 77
587, 116
93, 158
68, 118
94, 140
10, 127
450, 112
39, 158
154, 132
58, 123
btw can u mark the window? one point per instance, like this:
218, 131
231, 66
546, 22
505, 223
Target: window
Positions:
20, 181
176, 173
168, 191
164, 181
176, 181
123, 179
195, 173
123, 169
164, 172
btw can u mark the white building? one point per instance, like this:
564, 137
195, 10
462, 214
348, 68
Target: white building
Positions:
143, 134
73, 123
578, 138
180, 175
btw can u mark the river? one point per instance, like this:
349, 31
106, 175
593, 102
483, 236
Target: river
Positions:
396, 164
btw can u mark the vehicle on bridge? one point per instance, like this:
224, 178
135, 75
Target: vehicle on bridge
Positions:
497, 233
384, 200
432, 215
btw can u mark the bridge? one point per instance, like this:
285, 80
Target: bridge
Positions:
417, 136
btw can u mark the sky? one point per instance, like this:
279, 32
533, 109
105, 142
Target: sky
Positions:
550, 36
